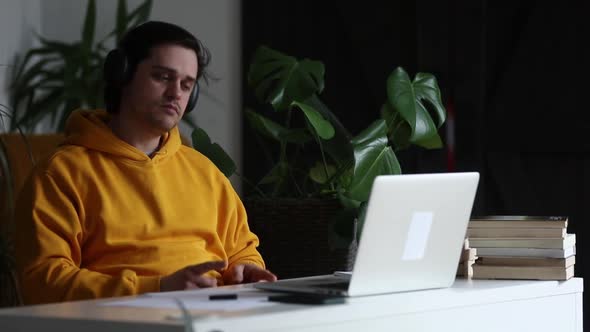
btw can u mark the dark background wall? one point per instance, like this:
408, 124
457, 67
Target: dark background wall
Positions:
515, 75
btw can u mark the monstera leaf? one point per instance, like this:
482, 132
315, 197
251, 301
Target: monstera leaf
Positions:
321, 126
277, 132
279, 79
407, 107
215, 153
373, 156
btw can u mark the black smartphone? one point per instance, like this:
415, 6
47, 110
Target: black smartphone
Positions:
307, 299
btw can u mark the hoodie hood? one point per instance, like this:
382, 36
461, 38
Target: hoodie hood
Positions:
88, 128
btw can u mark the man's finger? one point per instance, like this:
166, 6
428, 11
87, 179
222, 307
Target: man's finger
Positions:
235, 275
200, 280
207, 282
190, 285
254, 273
264, 275
206, 267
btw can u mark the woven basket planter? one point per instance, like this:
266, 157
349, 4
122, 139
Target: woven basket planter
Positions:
294, 236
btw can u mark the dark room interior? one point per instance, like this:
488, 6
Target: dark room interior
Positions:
512, 73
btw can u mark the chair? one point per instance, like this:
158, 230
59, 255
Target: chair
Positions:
21, 153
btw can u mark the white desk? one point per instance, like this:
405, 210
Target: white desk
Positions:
477, 305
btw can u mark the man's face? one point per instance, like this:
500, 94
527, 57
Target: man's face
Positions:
156, 97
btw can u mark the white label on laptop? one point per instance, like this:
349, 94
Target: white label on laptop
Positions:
418, 234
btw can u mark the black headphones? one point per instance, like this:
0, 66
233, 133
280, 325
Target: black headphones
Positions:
117, 72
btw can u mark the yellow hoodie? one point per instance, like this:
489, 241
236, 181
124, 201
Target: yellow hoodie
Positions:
99, 218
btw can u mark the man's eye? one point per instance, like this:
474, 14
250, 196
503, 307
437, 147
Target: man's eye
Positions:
162, 77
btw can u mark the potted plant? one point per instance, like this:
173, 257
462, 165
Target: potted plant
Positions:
53, 80
10, 295
318, 167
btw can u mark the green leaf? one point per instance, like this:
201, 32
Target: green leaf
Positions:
425, 127
279, 79
37, 110
342, 228
296, 136
360, 224
141, 13
322, 127
121, 22
33, 52
400, 133
89, 26
63, 49
432, 142
400, 94
427, 89
321, 174
266, 126
373, 157
408, 99
348, 202
338, 147
29, 78
127, 20
215, 153
398, 130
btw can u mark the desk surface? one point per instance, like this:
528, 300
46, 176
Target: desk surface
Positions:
93, 315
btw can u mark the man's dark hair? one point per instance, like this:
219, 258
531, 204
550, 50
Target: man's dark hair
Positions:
135, 46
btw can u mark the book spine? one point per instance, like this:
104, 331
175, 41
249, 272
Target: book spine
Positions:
526, 252
516, 224
527, 261
513, 272
516, 232
541, 243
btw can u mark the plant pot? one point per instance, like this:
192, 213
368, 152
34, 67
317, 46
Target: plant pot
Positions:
295, 236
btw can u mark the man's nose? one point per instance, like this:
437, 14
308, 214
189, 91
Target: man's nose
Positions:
174, 90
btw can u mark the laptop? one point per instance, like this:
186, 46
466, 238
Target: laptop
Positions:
412, 239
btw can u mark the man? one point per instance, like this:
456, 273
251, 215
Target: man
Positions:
122, 207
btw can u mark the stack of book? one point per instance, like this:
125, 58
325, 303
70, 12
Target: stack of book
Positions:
522, 247
468, 257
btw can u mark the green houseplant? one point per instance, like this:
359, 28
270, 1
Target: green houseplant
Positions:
9, 294
53, 80
313, 156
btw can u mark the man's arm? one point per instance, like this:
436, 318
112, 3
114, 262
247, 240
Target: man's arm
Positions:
245, 262
48, 240
232, 227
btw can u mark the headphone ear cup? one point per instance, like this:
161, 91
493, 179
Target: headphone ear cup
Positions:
115, 68
192, 101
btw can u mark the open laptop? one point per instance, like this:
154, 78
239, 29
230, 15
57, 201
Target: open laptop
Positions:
412, 238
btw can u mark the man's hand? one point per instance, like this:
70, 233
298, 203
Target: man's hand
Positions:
191, 277
245, 273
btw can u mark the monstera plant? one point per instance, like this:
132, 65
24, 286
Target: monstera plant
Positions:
312, 154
